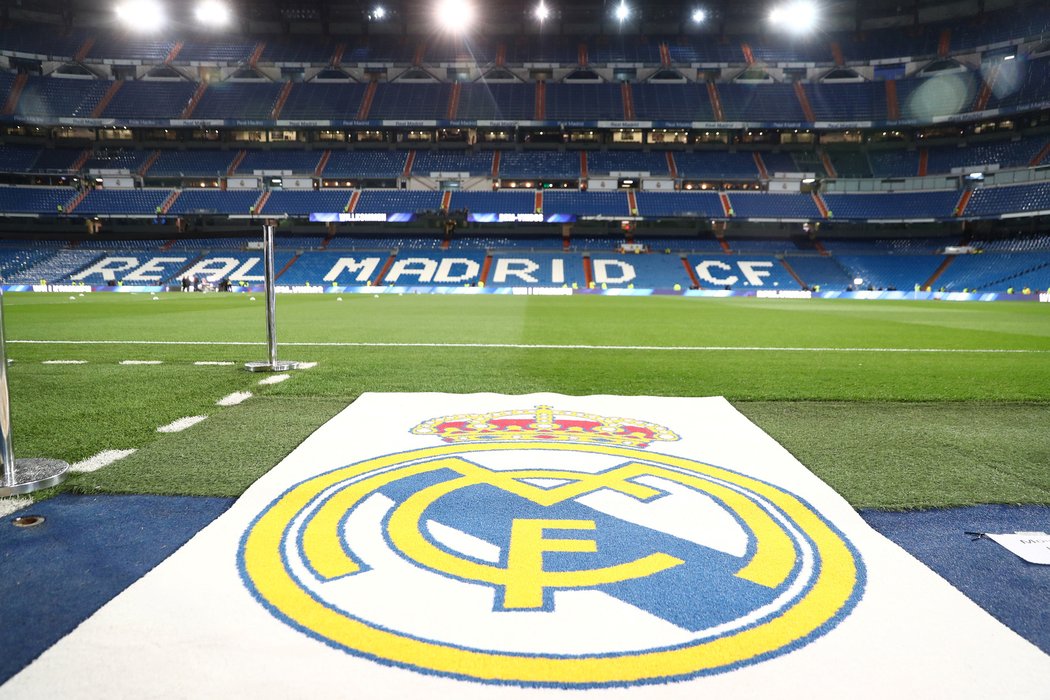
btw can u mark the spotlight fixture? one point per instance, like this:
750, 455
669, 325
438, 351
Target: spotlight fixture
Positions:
141, 15
699, 15
454, 15
622, 11
796, 17
212, 13
378, 14
542, 12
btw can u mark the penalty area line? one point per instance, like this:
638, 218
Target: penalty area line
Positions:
545, 346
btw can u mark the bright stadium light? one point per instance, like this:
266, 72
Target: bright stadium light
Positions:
699, 15
141, 15
622, 11
379, 13
212, 13
542, 12
454, 15
797, 17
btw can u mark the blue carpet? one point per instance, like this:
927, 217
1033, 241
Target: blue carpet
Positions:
93, 547
1015, 592
89, 549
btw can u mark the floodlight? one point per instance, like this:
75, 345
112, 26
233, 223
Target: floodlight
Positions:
797, 16
212, 13
454, 15
542, 12
141, 15
379, 12
699, 15
622, 11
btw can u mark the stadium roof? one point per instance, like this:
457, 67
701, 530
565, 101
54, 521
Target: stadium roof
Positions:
516, 16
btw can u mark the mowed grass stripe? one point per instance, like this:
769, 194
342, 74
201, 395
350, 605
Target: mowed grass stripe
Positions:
851, 416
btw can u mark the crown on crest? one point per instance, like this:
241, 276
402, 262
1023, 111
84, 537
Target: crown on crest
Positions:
544, 424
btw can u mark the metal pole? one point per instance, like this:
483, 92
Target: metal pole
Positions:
273, 365
23, 475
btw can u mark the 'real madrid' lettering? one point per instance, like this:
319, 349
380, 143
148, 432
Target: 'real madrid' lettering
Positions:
704, 271
519, 268
362, 270
604, 271
754, 271
107, 265
219, 268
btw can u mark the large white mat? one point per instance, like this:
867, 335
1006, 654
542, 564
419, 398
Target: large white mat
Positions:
472, 546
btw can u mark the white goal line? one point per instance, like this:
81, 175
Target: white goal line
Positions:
538, 346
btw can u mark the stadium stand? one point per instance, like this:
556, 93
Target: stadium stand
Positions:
230, 100
35, 200
427, 162
540, 164
123, 202
289, 162
890, 271
192, 163
366, 164
761, 205
894, 206
999, 201
60, 97
323, 101
208, 201
397, 201
302, 203
148, 99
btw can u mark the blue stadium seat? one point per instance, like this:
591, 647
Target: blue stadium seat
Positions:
295, 162
427, 162
192, 163
716, 164
762, 205
605, 162
130, 202
894, 206
237, 101
996, 201
150, 99
693, 203
34, 200
60, 97
584, 101
209, 201
398, 201
540, 164
586, 203
366, 164
410, 101
323, 101
301, 203
497, 101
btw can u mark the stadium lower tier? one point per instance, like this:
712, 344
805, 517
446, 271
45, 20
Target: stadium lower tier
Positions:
539, 205
132, 265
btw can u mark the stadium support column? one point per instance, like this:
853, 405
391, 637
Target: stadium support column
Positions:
273, 364
23, 475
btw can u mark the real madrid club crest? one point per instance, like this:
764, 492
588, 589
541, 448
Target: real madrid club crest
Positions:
548, 547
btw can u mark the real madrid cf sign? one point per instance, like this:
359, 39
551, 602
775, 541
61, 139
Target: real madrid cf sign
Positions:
550, 547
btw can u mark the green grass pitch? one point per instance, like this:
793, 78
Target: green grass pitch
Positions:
895, 404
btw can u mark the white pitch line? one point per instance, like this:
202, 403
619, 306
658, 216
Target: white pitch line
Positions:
181, 424
102, 459
214, 364
234, 398
142, 362
275, 379
64, 362
13, 504
545, 346
307, 365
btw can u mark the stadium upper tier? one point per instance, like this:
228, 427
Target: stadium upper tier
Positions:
390, 164
515, 261
878, 77
907, 43
544, 205
997, 88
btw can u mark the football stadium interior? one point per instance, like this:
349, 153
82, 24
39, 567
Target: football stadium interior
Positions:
835, 215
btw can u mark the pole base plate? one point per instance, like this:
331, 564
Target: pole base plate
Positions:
35, 474
278, 366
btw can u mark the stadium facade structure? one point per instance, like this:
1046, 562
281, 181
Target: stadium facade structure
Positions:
939, 132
